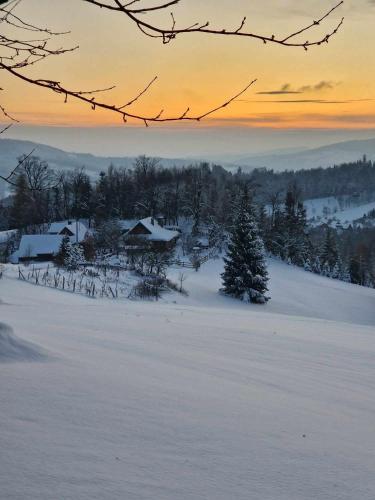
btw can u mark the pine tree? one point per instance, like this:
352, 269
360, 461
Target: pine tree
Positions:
330, 255
326, 270
75, 256
317, 265
308, 266
20, 210
294, 228
215, 235
245, 272
64, 252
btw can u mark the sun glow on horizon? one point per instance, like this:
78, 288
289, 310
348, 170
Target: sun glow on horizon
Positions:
328, 86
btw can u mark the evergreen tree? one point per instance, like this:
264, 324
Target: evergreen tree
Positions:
330, 256
89, 250
75, 256
358, 271
20, 210
317, 265
64, 252
294, 228
245, 272
308, 266
216, 236
326, 270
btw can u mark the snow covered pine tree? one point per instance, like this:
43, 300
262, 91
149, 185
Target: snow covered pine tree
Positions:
70, 255
245, 273
64, 251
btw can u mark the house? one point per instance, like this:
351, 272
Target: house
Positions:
46, 246
149, 230
37, 247
76, 230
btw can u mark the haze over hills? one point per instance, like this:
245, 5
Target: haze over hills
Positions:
325, 156
12, 149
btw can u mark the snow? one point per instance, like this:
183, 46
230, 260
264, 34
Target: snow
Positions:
198, 397
293, 292
15, 349
127, 224
157, 232
317, 206
75, 227
328, 209
32, 245
354, 213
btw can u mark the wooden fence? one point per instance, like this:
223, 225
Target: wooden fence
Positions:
91, 284
81, 284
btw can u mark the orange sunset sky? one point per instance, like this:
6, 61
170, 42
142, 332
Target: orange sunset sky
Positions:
335, 81
329, 86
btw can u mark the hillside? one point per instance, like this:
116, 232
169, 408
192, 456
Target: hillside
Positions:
334, 154
341, 152
328, 210
191, 397
11, 149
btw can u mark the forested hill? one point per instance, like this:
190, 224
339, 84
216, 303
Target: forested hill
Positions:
57, 159
324, 156
349, 179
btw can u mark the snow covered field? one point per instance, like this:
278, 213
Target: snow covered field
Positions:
198, 397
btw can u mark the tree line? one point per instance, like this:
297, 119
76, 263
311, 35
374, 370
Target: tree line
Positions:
206, 195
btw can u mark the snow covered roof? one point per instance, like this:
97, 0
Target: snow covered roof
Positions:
156, 232
68, 225
127, 224
32, 245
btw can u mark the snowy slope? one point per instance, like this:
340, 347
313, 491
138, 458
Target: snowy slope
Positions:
355, 213
328, 209
205, 398
293, 291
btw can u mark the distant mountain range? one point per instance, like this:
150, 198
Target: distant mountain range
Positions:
11, 149
324, 156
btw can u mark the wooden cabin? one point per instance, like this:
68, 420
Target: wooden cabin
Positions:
150, 230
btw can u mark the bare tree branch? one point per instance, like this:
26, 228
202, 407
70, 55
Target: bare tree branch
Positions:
28, 44
151, 29
120, 109
19, 53
9, 178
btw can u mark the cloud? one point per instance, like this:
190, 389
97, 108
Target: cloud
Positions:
323, 85
288, 89
302, 120
285, 89
308, 101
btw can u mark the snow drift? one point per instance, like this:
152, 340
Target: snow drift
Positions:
13, 348
190, 398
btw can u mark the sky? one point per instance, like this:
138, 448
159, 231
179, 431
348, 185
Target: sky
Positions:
326, 88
